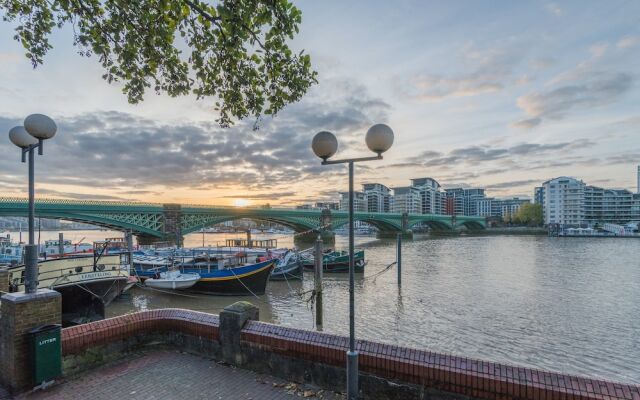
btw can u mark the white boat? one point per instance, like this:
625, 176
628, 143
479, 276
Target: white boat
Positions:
173, 280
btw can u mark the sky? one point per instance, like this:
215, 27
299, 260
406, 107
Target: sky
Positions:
496, 94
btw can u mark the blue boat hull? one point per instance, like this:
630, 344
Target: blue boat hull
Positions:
238, 281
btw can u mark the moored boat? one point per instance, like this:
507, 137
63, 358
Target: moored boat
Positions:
10, 253
336, 261
87, 285
218, 275
289, 266
175, 280
243, 280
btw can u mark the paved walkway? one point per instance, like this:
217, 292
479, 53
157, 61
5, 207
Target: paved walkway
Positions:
173, 375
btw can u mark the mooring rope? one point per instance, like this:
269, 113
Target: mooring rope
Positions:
377, 274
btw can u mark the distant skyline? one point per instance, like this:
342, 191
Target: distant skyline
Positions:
495, 94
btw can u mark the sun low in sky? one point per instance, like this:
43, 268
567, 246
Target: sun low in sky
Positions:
496, 94
241, 202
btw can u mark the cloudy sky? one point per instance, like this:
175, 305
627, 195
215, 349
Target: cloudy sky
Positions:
498, 94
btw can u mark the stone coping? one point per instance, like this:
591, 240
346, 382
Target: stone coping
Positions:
445, 372
23, 297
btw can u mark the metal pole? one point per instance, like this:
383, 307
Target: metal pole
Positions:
32, 206
352, 354
129, 236
60, 244
399, 259
31, 252
318, 282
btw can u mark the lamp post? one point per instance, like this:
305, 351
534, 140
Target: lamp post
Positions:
379, 139
36, 129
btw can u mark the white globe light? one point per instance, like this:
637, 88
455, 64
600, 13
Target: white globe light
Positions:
20, 137
40, 126
379, 138
324, 144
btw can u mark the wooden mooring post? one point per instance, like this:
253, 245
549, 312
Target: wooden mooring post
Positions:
399, 259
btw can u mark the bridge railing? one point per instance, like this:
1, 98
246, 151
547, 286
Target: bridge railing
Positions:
13, 200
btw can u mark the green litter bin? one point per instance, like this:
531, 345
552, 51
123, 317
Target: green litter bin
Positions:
46, 353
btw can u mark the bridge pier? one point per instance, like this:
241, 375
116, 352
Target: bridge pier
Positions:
308, 239
172, 227
146, 240
406, 234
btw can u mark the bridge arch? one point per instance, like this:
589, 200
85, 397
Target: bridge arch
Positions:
297, 226
124, 224
471, 225
436, 225
382, 225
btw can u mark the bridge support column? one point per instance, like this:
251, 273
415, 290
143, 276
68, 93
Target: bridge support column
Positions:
408, 234
308, 239
326, 233
146, 240
172, 227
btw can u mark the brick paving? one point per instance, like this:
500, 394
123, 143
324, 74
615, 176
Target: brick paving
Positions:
165, 374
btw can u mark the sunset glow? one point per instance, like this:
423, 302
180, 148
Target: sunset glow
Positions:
241, 202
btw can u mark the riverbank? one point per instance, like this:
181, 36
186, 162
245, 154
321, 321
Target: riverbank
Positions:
515, 230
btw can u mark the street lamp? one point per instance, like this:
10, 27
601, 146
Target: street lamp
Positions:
379, 139
37, 128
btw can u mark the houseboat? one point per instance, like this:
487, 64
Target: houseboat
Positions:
87, 284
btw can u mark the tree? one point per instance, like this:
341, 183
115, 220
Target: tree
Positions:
529, 214
235, 51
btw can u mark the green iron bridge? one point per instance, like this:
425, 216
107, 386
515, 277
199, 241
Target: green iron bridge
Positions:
170, 222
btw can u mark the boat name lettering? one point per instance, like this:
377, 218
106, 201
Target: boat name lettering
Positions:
94, 275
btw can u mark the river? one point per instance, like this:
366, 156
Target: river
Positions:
564, 304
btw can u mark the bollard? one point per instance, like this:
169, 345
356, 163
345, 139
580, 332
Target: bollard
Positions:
399, 259
318, 282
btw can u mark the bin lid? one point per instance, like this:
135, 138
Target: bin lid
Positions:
44, 328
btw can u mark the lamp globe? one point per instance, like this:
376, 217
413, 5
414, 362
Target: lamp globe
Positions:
324, 144
40, 126
20, 137
379, 138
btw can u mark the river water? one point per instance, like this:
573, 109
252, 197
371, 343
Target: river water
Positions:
564, 304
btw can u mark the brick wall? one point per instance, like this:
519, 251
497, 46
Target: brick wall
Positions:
387, 371
20, 313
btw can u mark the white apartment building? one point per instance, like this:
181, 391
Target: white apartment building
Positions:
431, 195
491, 207
359, 201
564, 201
377, 196
406, 200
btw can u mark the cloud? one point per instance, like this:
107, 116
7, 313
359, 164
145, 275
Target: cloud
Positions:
527, 123
554, 9
262, 196
594, 89
598, 50
542, 63
125, 153
472, 156
628, 41
493, 69
78, 196
510, 184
